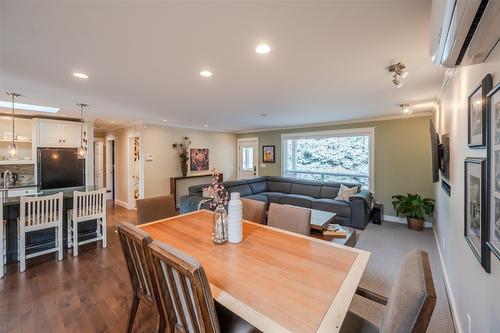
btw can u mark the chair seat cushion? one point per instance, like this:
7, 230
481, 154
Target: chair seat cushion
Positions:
273, 197
297, 200
230, 322
356, 324
258, 197
341, 208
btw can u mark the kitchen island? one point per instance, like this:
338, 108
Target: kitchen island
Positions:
41, 239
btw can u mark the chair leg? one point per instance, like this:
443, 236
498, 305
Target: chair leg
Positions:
75, 239
133, 312
22, 251
60, 242
104, 233
70, 225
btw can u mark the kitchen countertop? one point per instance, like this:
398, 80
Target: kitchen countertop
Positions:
67, 193
21, 185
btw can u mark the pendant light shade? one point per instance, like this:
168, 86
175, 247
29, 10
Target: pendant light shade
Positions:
82, 150
13, 151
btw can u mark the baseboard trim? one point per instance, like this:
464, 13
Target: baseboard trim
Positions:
391, 218
451, 298
121, 203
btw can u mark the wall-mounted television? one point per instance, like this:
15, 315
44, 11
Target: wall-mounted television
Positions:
60, 168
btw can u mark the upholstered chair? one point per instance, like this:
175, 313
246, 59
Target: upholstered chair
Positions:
410, 305
152, 209
254, 211
184, 296
290, 218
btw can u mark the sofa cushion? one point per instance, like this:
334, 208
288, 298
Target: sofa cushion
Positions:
296, 200
258, 197
258, 187
329, 191
197, 189
273, 197
243, 189
309, 188
342, 208
232, 183
279, 184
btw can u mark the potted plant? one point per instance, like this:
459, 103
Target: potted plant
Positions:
414, 207
182, 149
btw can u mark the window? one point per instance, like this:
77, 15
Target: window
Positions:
247, 156
333, 156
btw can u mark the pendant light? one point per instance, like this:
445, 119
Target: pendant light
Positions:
12, 147
82, 150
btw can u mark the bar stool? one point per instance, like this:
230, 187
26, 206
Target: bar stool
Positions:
87, 206
3, 241
39, 213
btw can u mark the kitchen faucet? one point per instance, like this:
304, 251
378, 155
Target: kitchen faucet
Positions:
5, 174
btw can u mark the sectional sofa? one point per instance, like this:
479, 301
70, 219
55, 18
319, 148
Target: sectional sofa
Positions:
283, 190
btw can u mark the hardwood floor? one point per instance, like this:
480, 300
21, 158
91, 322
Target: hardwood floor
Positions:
89, 293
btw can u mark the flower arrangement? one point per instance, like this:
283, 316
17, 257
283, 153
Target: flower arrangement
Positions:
215, 191
182, 148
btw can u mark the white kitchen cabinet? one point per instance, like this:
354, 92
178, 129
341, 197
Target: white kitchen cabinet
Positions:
58, 134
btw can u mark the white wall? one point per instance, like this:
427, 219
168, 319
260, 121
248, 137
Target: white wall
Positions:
473, 291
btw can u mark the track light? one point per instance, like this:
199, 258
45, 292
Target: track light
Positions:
399, 73
406, 108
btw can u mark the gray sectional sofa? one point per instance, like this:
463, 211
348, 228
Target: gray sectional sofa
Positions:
283, 190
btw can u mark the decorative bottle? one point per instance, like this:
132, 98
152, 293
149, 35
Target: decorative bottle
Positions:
235, 219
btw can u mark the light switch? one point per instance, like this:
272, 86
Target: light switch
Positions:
149, 157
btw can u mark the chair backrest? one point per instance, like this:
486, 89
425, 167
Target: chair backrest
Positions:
89, 205
134, 245
41, 212
183, 290
290, 218
254, 210
152, 209
412, 299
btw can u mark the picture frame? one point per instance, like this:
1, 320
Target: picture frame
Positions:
493, 241
199, 159
477, 114
476, 209
268, 154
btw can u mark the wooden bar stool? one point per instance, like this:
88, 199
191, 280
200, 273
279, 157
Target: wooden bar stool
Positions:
39, 213
87, 206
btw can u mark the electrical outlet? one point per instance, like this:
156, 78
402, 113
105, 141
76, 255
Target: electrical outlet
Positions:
469, 324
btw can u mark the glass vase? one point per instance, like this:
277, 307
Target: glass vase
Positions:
219, 235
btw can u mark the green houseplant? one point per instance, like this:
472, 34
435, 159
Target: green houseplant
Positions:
414, 207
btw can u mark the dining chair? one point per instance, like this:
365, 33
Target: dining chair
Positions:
87, 206
40, 213
411, 302
184, 294
254, 210
134, 242
157, 208
290, 218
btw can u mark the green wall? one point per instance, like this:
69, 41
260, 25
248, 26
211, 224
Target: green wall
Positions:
402, 155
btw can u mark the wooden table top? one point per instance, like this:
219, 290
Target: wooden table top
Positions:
276, 280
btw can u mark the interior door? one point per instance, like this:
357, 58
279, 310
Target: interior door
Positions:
99, 164
248, 158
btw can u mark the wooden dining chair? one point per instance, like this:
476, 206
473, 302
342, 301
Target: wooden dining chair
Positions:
134, 243
411, 302
254, 210
157, 208
290, 218
184, 295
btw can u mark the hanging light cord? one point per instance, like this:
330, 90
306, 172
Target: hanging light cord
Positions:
81, 125
13, 125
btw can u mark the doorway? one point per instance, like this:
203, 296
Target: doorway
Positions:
135, 168
110, 168
99, 172
248, 158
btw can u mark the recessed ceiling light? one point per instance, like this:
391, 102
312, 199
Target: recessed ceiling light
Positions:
205, 125
206, 73
112, 121
80, 75
263, 49
164, 120
29, 107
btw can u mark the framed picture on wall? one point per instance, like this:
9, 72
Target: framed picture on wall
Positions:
477, 108
199, 159
476, 208
494, 163
268, 154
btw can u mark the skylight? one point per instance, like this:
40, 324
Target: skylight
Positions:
28, 107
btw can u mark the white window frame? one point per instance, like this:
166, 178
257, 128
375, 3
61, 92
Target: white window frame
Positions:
370, 131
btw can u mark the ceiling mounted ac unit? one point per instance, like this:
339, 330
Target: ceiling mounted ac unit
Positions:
464, 32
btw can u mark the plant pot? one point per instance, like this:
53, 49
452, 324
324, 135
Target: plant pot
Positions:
414, 223
184, 169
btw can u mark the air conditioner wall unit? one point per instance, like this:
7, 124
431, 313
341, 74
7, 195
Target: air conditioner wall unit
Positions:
464, 32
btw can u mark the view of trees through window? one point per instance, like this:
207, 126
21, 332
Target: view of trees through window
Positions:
334, 158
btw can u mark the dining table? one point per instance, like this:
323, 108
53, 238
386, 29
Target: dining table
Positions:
278, 281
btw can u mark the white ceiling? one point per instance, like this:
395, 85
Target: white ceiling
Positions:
327, 64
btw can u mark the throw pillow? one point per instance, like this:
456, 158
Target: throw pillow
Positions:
345, 192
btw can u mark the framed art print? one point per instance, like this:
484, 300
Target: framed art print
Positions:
268, 154
476, 204
493, 241
199, 159
476, 111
